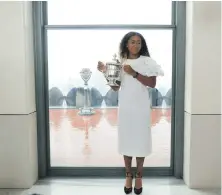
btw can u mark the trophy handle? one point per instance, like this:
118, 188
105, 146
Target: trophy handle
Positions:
104, 73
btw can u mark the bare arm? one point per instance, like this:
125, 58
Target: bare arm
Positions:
147, 81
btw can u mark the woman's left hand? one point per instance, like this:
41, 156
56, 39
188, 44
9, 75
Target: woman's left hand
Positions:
128, 69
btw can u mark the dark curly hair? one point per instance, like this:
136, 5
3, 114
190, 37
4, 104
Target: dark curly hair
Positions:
123, 50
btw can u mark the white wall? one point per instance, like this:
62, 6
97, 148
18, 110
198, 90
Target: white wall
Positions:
18, 145
202, 152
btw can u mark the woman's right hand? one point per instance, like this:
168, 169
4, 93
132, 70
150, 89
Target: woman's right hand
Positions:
101, 67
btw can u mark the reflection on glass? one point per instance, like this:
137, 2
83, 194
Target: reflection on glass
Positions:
92, 140
80, 141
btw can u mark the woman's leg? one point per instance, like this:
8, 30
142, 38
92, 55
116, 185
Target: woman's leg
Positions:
139, 165
139, 172
128, 168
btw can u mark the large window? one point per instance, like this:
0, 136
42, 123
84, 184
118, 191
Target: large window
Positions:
83, 141
77, 35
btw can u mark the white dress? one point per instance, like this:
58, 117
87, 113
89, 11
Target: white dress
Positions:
134, 117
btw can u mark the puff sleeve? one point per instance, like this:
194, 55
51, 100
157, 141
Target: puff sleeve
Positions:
151, 68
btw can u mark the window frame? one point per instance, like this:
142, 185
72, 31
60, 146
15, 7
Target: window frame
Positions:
40, 28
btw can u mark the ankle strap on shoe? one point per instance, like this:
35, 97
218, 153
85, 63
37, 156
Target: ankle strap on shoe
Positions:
138, 175
128, 174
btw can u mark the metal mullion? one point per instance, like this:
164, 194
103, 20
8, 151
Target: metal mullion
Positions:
173, 13
108, 27
179, 86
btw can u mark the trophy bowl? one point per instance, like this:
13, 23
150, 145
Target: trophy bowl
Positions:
113, 72
85, 75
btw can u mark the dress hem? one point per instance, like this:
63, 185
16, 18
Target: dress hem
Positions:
133, 155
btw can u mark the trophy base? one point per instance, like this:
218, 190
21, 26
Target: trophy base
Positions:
113, 84
86, 111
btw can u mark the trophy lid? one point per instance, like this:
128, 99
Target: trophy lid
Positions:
114, 61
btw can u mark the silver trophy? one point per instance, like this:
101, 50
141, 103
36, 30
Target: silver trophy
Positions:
113, 72
86, 109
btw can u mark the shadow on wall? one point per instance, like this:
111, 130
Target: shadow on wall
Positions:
75, 97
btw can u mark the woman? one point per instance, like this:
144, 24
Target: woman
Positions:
134, 134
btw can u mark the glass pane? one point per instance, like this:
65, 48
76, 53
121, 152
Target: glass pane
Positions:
78, 141
109, 12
